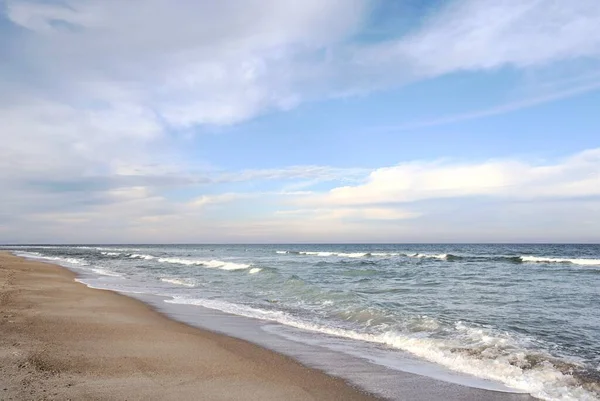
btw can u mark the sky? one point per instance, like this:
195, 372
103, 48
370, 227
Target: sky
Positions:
281, 121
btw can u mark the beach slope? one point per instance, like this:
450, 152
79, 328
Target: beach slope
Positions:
61, 340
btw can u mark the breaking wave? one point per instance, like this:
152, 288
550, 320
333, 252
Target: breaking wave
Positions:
186, 282
212, 264
451, 257
141, 256
576, 261
472, 350
441, 256
105, 272
58, 259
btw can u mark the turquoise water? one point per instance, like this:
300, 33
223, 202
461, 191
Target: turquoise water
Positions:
527, 316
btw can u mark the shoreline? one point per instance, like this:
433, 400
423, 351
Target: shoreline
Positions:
141, 370
60, 339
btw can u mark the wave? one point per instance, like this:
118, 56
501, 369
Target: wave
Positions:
340, 254
387, 254
441, 256
113, 249
108, 288
186, 282
37, 255
141, 256
111, 253
69, 261
104, 272
481, 352
328, 254
511, 259
574, 261
255, 270
366, 254
451, 257
213, 264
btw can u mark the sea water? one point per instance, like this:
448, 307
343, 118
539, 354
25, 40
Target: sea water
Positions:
524, 316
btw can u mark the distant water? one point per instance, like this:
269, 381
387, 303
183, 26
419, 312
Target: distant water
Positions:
527, 316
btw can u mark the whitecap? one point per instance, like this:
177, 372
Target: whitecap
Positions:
39, 256
213, 264
141, 256
104, 272
575, 261
339, 254
186, 282
440, 256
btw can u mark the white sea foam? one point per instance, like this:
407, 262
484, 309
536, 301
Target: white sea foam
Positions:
576, 261
319, 253
73, 261
97, 287
326, 254
385, 254
141, 256
440, 256
37, 255
111, 253
499, 358
361, 254
27, 254
186, 282
116, 249
255, 270
68, 261
338, 254
179, 261
84, 282
104, 272
213, 264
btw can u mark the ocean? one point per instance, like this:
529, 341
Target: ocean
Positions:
524, 317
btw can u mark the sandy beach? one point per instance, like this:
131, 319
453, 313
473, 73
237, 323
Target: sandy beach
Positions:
60, 340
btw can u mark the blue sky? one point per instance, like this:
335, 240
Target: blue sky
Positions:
284, 121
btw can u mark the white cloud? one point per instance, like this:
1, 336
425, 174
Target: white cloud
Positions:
503, 200
476, 35
44, 137
90, 87
224, 62
193, 63
312, 173
205, 200
346, 213
576, 176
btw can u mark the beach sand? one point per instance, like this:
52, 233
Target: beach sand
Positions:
60, 340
